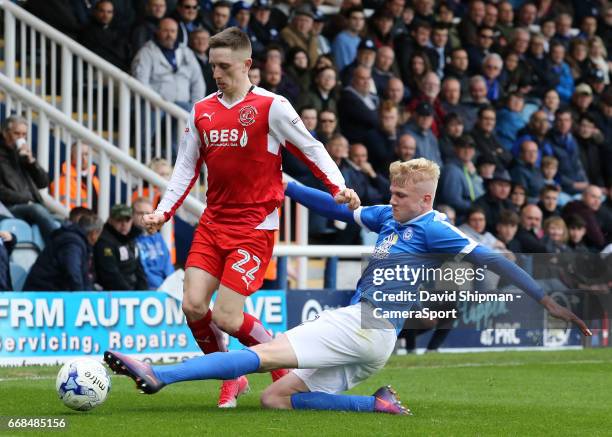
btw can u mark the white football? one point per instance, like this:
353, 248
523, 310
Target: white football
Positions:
83, 384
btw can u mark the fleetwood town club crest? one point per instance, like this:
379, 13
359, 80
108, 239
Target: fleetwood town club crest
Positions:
247, 114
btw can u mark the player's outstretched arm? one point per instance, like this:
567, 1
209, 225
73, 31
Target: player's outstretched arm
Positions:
516, 275
320, 202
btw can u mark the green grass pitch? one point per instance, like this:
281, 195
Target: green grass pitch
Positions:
494, 393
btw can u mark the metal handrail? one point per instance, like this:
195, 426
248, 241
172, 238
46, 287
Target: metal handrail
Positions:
104, 147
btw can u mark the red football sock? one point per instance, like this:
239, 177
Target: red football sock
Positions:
207, 335
252, 332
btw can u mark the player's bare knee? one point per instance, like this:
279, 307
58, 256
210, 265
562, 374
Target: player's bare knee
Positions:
193, 311
271, 399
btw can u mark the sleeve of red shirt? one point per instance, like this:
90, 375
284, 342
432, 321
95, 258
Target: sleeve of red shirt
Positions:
186, 171
287, 127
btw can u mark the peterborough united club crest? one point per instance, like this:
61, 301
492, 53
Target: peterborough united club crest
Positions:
247, 115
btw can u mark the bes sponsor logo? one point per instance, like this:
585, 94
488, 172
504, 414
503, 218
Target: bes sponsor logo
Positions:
225, 138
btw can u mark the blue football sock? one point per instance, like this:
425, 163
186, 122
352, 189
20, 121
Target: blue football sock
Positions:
220, 365
325, 401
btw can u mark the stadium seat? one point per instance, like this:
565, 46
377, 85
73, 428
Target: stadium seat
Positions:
20, 228
24, 257
18, 276
37, 238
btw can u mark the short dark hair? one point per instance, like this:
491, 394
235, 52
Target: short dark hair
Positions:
508, 217
547, 188
90, 222
574, 221
77, 212
475, 210
232, 38
222, 4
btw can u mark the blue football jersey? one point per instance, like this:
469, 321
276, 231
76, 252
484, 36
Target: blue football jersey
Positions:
417, 243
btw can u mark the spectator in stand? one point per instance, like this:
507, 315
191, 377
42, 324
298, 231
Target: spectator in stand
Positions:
299, 32
453, 130
511, 119
537, 61
555, 236
318, 25
485, 166
577, 59
322, 95
275, 81
486, 140
407, 45
187, 17
439, 43
527, 15
491, 15
82, 177
309, 118
219, 17
328, 125
154, 254
458, 68
381, 28
460, 184
603, 121
171, 71
366, 57
559, 68
587, 208
406, 148
21, 177
297, 69
483, 48
576, 228
241, 17
495, 200
397, 93
526, 172
565, 148
530, 232
536, 131
65, 262
428, 91
255, 74
549, 202
475, 227
260, 24
478, 93
582, 102
591, 151
421, 130
7, 243
450, 99
344, 47
116, 256
147, 26
550, 104
505, 21
506, 228
382, 71
518, 196
358, 107
371, 186
563, 24
103, 38
198, 42
381, 142
468, 27
418, 67
598, 58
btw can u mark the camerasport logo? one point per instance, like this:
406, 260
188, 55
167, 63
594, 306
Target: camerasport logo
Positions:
247, 114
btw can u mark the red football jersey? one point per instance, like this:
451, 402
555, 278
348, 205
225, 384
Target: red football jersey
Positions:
240, 146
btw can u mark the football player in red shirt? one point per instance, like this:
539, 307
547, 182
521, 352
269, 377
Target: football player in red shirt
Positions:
237, 134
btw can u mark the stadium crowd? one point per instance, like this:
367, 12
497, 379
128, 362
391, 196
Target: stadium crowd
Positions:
511, 98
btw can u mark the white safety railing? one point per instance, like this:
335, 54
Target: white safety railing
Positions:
58, 134
89, 89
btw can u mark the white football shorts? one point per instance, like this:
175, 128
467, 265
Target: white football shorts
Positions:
334, 353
